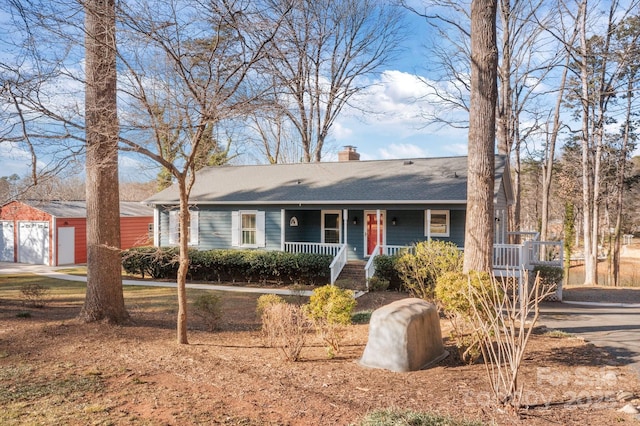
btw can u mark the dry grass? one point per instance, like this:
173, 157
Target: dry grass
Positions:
629, 271
55, 370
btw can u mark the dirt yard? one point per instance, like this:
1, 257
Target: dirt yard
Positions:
54, 370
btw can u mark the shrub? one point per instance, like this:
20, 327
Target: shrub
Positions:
34, 295
362, 317
229, 265
452, 292
155, 262
267, 300
285, 327
550, 276
377, 284
420, 270
330, 309
395, 417
385, 267
504, 319
263, 303
207, 307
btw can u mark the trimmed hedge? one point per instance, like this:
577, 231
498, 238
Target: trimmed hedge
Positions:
230, 265
386, 270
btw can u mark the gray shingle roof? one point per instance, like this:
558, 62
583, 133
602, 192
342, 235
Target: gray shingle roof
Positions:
78, 209
355, 182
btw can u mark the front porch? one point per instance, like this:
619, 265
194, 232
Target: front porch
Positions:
509, 260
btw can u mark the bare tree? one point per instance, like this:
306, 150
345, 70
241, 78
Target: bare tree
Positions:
552, 128
599, 71
522, 71
186, 69
478, 250
626, 35
321, 59
104, 299
40, 120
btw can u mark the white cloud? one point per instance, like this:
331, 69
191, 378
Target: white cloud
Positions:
457, 149
402, 150
15, 160
394, 125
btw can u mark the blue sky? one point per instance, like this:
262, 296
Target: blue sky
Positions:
398, 130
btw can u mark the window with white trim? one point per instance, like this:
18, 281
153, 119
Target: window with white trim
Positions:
437, 223
174, 227
248, 228
331, 221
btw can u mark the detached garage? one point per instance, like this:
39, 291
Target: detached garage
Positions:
54, 232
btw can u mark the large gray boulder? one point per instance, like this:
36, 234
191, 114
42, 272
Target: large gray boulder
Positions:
404, 336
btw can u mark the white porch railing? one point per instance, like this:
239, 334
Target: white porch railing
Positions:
370, 267
508, 256
338, 263
313, 248
527, 255
547, 253
338, 251
526, 235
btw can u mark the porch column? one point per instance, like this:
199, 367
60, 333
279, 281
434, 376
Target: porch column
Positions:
156, 226
378, 227
282, 229
345, 218
428, 224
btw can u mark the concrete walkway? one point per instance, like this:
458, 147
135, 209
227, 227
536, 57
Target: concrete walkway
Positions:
52, 272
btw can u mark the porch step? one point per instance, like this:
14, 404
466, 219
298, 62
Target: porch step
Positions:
353, 271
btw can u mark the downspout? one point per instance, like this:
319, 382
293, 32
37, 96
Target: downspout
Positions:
428, 224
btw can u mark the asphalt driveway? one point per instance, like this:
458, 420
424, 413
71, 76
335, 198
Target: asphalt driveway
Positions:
617, 329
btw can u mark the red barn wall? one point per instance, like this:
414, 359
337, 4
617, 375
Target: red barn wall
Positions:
134, 231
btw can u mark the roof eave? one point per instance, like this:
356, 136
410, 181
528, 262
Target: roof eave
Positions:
306, 202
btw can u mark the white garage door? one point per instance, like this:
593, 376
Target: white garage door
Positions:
33, 243
6, 242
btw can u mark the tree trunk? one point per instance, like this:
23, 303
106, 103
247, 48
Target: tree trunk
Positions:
620, 181
550, 152
104, 299
590, 276
504, 116
478, 250
183, 267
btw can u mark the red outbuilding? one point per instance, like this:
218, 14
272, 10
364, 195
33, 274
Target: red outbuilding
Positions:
54, 232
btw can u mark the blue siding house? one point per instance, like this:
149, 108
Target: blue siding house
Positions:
351, 209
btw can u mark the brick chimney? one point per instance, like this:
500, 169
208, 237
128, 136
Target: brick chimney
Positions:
348, 154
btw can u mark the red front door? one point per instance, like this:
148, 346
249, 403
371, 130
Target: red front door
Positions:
373, 227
